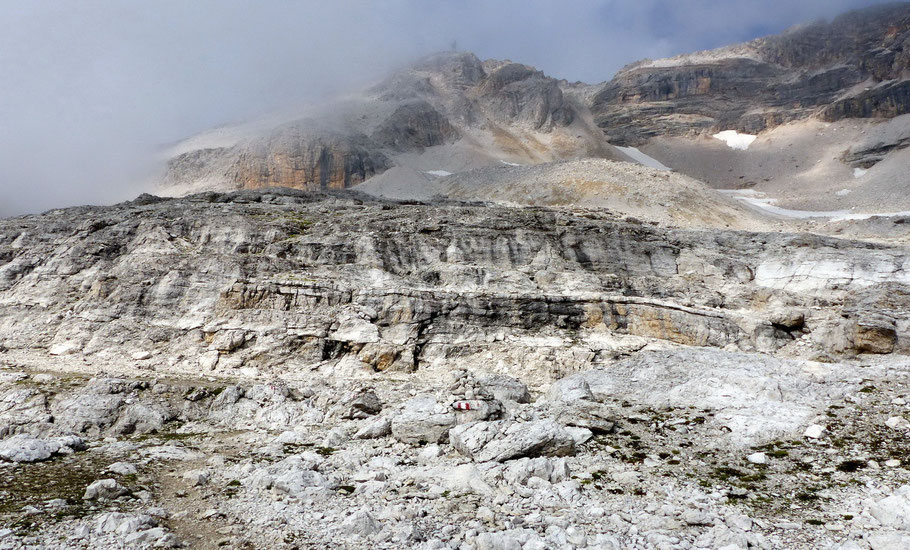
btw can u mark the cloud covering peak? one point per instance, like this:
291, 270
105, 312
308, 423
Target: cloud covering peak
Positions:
91, 90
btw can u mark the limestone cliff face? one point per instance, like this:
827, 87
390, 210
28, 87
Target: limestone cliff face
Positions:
806, 70
292, 158
518, 92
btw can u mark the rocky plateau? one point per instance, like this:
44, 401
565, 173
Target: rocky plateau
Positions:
286, 369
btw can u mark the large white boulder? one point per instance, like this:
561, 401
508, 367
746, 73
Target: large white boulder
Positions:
503, 440
423, 420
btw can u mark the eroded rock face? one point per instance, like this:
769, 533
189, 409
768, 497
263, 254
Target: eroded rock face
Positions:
415, 126
766, 82
295, 157
518, 92
226, 282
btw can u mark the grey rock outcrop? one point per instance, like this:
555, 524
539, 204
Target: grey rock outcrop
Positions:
422, 421
23, 448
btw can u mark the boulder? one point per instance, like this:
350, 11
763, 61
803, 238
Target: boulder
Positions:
875, 334
361, 523
141, 418
295, 482
22, 408
505, 388
360, 405
123, 524
423, 421
570, 388
889, 541
228, 340
519, 471
24, 448
105, 489
503, 440
596, 417
788, 319
122, 468
87, 412
477, 409
375, 428
157, 536
893, 511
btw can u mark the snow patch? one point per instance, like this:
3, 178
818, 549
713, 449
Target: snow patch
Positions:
440, 173
642, 158
844, 192
509, 163
758, 200
735, 140
859, 172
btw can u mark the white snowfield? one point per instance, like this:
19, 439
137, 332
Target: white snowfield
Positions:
642, 158
440, 173
735, 140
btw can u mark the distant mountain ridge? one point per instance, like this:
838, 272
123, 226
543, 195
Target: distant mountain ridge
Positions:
854, 66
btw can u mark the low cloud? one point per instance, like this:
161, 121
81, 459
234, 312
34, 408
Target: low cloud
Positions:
91, 90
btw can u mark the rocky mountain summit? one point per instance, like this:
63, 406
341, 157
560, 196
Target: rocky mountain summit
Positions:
277, 368
490, 111
855, 66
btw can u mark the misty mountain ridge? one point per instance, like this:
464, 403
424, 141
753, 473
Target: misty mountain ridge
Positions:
451, 112
485, 112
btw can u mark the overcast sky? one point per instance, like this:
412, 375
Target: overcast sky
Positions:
90, 89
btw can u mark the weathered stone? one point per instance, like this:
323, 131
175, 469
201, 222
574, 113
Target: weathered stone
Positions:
423, 421
22, 448
361, 405
503, 440
894, 511
122, 468
228, 340
362, 523
505, 388
875, 336
379, 427
105, 489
